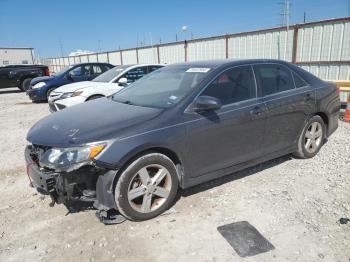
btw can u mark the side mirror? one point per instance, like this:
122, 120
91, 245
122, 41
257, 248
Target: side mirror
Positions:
123, 81
206, 103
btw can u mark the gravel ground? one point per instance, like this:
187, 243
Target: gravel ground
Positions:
295, 204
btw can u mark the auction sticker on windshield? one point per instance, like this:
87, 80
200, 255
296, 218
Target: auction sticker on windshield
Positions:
198, 70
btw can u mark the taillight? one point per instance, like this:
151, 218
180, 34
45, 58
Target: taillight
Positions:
46, 72
338, 89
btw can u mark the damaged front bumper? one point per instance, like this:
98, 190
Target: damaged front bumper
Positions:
88, 183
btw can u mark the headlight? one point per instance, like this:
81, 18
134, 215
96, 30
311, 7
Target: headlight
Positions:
77, 93
66, 95
66, 159
38, 85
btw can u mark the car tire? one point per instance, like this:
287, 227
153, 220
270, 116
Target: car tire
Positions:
94, 97
147, 187
311, 138
49, 92
24, 86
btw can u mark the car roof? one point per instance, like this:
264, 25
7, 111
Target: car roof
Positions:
223, 62
91, 63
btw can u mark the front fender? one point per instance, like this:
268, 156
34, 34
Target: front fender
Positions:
123, 149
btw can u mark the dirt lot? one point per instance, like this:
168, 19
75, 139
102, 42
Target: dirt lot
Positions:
295, 204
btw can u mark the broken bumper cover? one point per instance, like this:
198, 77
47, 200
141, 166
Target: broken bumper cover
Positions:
70, 186
44, 182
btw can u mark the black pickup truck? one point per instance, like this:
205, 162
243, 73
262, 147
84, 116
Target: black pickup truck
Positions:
21, 75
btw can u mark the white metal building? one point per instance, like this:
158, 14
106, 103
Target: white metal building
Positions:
16, 55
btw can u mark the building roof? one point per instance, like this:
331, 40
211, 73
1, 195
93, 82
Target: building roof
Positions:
31, 48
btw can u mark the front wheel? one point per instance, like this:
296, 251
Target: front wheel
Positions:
94, 97
147, 187
312, 138
48, 93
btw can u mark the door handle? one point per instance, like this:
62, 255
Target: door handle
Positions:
257, 111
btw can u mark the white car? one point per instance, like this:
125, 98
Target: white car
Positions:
106, 84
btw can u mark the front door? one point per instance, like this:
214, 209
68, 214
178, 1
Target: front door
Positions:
231, 135
80, 73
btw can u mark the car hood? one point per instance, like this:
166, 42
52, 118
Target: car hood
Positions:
97, 120
75, 86
103, 87
41, 79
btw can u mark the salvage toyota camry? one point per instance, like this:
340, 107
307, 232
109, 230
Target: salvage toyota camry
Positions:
179, 126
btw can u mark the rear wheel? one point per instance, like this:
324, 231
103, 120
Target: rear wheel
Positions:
147, 187
312, 138
25, 84
94, 97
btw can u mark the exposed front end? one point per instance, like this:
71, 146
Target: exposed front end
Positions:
79, 182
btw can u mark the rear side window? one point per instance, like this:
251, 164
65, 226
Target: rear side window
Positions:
153, 68
299, 82
273, 78
135, 74
96, 69
233, 85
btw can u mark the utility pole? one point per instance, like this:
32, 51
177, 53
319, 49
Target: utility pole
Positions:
285, 17
61, 46
285, 13
99, 46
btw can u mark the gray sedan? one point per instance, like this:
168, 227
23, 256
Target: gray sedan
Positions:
179, 126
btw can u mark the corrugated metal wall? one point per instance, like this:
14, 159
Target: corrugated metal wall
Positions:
206, 49
274, 45
170, 54
103, 57
114, 58
322, 48
147, 55
129, 57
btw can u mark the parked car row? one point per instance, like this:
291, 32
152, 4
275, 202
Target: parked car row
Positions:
105, 84
41, 87
176, 127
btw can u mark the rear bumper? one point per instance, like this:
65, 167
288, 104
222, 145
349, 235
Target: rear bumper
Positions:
332, 123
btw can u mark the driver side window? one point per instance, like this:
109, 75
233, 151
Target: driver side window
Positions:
233, 85
75, 72
80, 71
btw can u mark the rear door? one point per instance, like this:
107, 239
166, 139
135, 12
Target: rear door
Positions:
289, 99
233, 134
97, 69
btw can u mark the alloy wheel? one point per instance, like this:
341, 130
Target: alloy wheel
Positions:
313, 137
149, 188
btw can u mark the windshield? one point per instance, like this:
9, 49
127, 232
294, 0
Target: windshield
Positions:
110, 74
162, 88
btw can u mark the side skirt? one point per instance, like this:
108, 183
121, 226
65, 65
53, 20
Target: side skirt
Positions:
189, 182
